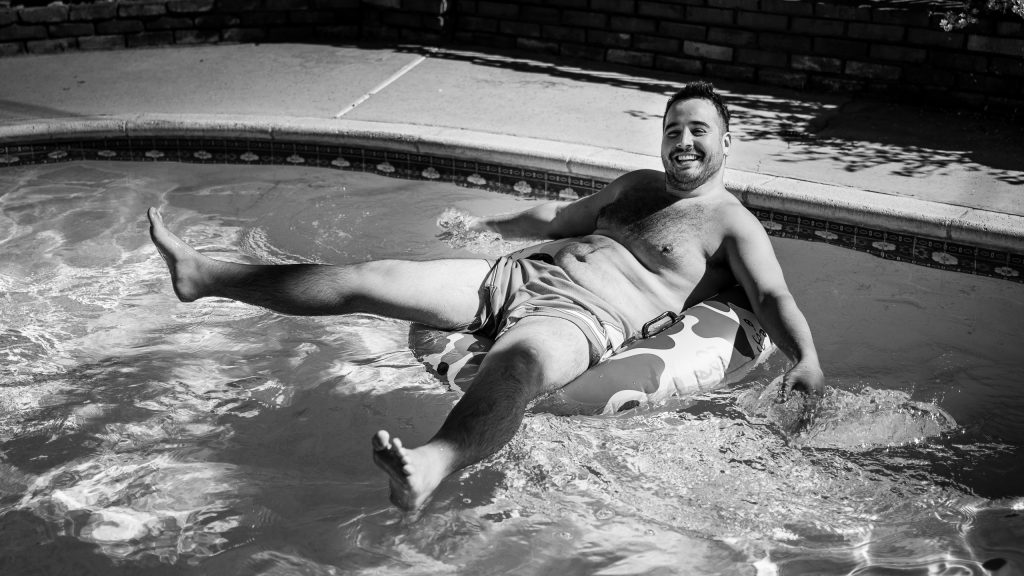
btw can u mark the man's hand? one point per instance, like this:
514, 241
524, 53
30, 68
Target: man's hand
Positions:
805, 377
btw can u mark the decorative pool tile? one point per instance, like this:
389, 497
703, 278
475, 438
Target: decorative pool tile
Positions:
930, 252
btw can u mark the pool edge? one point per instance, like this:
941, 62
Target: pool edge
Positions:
834, 203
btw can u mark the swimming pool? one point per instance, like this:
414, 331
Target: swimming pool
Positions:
144, 436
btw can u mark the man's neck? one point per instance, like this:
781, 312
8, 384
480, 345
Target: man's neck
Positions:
714, 185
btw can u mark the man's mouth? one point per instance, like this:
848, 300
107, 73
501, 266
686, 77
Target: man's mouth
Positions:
686, 157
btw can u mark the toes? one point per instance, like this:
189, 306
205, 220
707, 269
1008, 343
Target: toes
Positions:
380, 441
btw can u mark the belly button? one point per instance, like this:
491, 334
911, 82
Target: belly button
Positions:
666, 249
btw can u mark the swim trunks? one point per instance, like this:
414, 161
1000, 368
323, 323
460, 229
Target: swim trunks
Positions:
518, 287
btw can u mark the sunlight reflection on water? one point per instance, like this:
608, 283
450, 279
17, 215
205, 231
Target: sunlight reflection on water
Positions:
140, 435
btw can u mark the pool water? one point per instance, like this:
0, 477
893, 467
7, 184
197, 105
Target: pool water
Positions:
139, 435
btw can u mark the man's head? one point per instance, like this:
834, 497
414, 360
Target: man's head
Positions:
695, 137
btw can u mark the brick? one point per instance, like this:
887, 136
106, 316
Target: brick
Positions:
901, 16
936, 38
352, 5
818, 26
390, 4
759, 21
432, 7
264, 19
787, 42
141, 10
696, 14
929, 77
584, 19
840, 48
520, 29
583, 51
795, 7
631, 58
960, 61
683, 31
682, 65
563, 34
1007, 66
499, 10
240, 5
873, 71
991, 44
149, 39
169, 23
20, 32
577, 4
71, 29
393, 19
311, 17
817, 64
97, 11
50, 46
474, 24
285, 5
608, 39
761, 58
540, 14
189, 6
720, 70
534, 45
656, 44
732, 37
101, 42
830, 84
119, 27
875, 31
900, 53
661, 11
709, 51
7, 16
786, 78
44, 14
11, 48
633, 25
196, 36
842, 11
1009, 29
740, 4
217, 21
618, 6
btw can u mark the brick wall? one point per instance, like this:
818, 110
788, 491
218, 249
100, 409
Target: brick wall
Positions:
838, 45
893, 46
128, 24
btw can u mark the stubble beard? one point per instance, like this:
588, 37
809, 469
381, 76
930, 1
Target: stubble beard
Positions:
685, 182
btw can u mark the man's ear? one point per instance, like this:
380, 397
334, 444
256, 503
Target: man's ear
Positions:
727, 142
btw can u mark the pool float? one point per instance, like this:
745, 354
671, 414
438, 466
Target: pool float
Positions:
707, 346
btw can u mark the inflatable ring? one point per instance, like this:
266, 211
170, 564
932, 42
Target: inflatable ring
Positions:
710, 345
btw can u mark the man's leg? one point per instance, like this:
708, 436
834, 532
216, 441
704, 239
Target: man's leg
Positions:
439, 293
537, 355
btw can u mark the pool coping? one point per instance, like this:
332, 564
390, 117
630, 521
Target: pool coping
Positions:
828, 203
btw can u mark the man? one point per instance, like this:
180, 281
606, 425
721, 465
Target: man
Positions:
649, 242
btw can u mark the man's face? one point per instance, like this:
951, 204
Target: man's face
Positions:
694, 144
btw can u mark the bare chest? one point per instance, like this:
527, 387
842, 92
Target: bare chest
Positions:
663, 232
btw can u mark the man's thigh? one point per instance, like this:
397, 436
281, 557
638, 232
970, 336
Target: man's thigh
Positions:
558, 351
440, 293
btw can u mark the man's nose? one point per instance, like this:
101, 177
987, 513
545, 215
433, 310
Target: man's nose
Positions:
685, 140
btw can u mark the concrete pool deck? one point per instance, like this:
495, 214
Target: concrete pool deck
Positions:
941, 174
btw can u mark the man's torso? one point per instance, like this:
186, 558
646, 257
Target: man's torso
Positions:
651, 252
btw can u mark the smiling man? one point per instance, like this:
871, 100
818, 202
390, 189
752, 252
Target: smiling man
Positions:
647, 243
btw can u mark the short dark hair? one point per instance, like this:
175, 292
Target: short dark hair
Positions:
702, 90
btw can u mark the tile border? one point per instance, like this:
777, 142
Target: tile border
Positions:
894, 228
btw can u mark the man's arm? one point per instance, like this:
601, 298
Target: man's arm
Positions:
558, 219
755, 266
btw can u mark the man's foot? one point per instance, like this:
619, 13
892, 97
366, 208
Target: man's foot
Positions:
414, 474
189, 269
